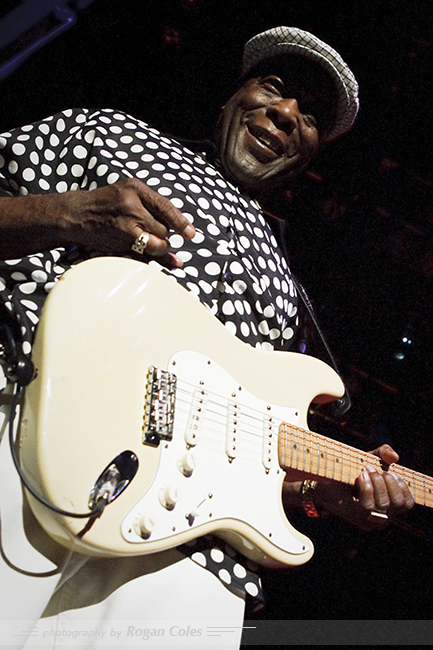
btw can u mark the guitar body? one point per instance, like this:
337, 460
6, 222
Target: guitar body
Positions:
104, 324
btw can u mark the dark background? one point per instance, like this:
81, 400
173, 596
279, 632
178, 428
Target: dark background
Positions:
360, 231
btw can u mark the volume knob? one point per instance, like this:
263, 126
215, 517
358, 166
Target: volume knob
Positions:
169, 495
144, 524
187, 463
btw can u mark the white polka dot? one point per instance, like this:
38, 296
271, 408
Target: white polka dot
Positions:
18, 276
231, 327
203, 203
251, 588
198, 557
112, 178
212, 268
264, 327
18, 149
77, 170
217, 555
63, 187
228, 308
13, 167
60, 124
225, 576
27, 348
54, 140
191, 270
274, 333
239, 286
33, 317
178, 203
80, 151
29, 174
28, 287
269, 311
239, 571
176, 241
236, 268
194, 188
213, 230
288, 333
39, 276
205, 286
164, 191
245, 329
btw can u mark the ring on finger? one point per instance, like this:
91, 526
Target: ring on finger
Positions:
139, 245
374, 514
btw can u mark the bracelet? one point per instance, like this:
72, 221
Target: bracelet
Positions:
306, 490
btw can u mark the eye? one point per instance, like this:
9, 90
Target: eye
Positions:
310, 120
273, 84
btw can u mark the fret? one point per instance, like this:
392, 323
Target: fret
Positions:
320, 456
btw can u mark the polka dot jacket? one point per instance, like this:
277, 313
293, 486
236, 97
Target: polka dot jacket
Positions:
233, 265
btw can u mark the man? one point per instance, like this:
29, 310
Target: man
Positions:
195, 214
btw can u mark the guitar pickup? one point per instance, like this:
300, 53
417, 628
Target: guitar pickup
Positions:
270, 441
159, 406
195, 422
232, 430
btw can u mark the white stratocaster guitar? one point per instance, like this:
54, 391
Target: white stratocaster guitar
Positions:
143, 395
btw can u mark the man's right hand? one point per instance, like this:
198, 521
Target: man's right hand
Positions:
107, 219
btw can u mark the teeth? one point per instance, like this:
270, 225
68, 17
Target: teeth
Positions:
267, 142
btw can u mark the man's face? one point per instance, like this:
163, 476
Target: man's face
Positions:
269, 129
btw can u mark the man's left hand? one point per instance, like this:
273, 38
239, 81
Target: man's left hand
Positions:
380, 496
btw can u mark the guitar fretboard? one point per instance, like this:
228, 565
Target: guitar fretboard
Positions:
309, 452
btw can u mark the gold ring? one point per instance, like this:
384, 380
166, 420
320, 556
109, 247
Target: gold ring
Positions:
379, 515
139, 246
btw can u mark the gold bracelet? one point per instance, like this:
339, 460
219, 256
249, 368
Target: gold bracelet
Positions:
306, 490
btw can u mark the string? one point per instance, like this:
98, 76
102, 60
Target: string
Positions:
250, 428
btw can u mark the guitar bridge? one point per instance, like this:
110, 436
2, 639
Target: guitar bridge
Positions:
159, 406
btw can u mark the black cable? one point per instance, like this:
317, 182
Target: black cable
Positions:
100, 504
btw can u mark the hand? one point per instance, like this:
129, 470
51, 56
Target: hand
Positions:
106, 220
110, 218
380, 495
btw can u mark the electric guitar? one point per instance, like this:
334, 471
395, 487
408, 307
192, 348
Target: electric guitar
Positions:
142, 395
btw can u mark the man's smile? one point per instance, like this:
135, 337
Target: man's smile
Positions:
268, 140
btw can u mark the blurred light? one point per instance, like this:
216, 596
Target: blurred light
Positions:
172, 36
399, 355
317, 177
388, 163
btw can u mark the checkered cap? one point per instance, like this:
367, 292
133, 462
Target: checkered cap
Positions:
291, 40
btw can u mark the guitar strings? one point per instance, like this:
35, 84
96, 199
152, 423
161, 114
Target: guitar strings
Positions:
253, 437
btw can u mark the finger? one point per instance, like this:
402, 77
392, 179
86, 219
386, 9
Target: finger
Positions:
162, 209
400, 495
366, 491
386, 453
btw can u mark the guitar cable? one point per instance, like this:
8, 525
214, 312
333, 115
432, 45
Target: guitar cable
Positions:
100, 503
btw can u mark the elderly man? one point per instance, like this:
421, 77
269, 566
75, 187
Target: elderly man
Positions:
192, 211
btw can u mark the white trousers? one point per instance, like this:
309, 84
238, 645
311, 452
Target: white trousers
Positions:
52, 598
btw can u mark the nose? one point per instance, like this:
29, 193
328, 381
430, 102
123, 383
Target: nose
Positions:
285, 113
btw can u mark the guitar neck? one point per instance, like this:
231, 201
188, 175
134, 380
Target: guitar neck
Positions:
311, 453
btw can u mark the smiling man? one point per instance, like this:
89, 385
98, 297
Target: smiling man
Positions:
91, 182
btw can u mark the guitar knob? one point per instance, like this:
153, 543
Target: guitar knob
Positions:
144, 524
187, 463
169, 495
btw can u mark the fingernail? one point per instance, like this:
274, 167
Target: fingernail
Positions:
370, 468
366, 476
189, 231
